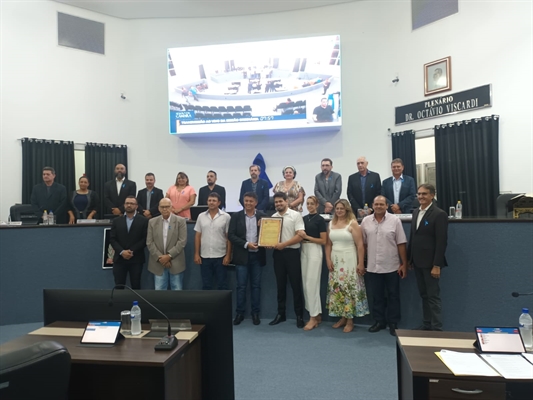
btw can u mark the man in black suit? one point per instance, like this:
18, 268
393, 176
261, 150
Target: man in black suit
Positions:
128, 239
363, 186
425, 252
149, 197
50, 196
211, 187
116, 191
399, 189
258, 186
247, 256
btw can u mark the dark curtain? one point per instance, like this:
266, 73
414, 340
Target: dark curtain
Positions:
467, 165
403, 146
39, 153
100, 161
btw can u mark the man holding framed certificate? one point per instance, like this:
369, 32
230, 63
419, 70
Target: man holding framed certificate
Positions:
286, 257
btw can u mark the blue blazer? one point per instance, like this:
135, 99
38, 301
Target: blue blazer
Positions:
263, 197
407, 193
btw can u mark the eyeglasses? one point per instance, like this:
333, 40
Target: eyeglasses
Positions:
422, 193
164, 207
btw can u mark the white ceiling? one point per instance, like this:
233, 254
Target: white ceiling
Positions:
135, 9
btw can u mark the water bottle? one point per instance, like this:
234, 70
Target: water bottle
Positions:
366, 209
526, 324
459, 210
135, 319
45, 218
51, 218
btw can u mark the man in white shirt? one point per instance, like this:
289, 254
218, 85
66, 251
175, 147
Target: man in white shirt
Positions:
212, 249
385, 241
166, 240
287, 260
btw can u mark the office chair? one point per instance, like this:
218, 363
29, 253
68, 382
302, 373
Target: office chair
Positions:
39, 371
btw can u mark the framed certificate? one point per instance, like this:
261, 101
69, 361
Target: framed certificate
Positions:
270, 231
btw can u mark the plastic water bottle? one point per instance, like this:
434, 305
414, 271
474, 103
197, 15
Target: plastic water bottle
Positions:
366, 209
45, 218
135, 319
459, 210
51, 218
526, 324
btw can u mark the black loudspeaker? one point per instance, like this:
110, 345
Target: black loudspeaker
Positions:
302, 65
296, 67
202, 71
275, 64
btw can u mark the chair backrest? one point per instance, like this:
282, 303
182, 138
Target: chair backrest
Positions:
501, 205
24, 213
39, 371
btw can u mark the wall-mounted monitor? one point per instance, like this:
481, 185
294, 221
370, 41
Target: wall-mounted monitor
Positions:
289, 85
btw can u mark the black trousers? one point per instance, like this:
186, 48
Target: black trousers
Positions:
120, 272
287, 264
429, 290
385, 292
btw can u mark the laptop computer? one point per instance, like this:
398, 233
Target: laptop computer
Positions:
196, 211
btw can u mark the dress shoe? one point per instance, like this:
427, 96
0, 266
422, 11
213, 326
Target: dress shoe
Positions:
255, 319
300, 322
279, 318
377, 327
238, 319
422, 328
392, 329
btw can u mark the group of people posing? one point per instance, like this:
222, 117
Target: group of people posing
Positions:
157, 221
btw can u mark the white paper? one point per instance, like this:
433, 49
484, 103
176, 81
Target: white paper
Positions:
510, 366
466, 364
528, 357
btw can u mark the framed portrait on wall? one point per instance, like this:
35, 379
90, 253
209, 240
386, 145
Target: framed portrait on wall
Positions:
438, 76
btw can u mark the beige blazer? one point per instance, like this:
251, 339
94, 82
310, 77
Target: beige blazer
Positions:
176, 241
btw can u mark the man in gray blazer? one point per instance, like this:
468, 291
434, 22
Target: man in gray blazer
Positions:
166, 240
328, 186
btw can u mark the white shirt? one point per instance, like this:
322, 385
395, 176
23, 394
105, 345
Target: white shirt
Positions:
214, 233
396, 187
292, 223
119, 185
421, 214
166, 227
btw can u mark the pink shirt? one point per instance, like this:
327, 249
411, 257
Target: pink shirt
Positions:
180, 198
382, 240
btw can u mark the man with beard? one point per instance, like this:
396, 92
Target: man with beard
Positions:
328, 187
116, 191
128, 239
258, 186
211, 187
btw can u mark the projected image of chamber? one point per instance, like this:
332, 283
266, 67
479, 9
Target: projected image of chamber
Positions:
281, 85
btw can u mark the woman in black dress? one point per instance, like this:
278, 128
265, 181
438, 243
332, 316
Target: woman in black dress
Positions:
83, 202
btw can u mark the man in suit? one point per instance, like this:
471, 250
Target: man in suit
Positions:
128, 239
50, 196
247, 256
211, 187
116, 191
399, 189
425, 252
328, 187
149, 197
363, 186
166, 240
256, 185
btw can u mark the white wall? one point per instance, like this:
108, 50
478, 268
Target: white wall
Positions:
58, 93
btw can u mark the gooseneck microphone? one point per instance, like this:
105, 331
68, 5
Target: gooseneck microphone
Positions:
166, 343
516, 294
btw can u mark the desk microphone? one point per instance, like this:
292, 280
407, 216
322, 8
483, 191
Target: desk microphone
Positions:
168, 342
516, 294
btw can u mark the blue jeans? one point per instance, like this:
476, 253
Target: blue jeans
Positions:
253, 270
176, 280
210, 267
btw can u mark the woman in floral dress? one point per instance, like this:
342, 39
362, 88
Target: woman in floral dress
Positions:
345, 259
295, 192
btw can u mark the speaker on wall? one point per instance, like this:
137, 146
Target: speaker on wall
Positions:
80, 33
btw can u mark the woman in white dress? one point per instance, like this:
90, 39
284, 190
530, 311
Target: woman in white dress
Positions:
345, 260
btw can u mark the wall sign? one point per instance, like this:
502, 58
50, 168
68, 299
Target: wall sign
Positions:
467, 100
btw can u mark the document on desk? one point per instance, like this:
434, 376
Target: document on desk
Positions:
510, 366
465, 363
528, 357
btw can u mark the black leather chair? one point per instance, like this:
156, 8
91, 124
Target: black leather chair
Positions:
24, 213
40, 371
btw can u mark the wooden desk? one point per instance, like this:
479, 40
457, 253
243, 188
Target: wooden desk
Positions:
422, 375
132, 369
